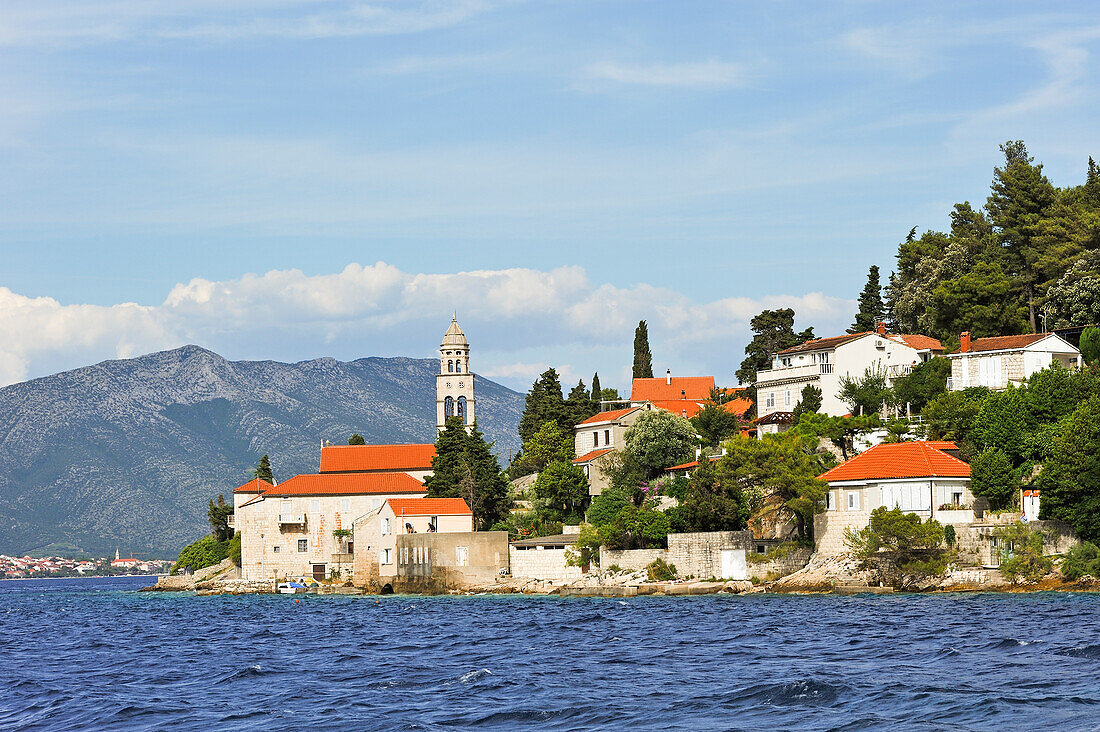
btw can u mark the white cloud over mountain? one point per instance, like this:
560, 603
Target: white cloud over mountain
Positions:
517, 318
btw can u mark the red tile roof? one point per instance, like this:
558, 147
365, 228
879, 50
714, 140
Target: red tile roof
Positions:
611, 416
429, 507
386, 458
682, 387
253, 486
818, 344
899, 460
347, 484
1002, 343
590, 456
737, 406
919, 342
942, 445
686, 408
692, 464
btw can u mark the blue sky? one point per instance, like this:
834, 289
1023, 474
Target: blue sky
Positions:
298, 178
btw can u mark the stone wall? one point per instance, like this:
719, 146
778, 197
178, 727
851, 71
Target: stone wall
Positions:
631, 560
542, 564
792, 561
455, 560
976, 546
699, 554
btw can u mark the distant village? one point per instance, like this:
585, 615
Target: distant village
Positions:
45, 567
683, 486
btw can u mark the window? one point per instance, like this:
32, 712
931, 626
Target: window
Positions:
596, 438
956, 498
303, 545
787, 398
785, 361
458, 366
606, 438
830, 504
433, 523
823, 357
450, 367
462, 556
462, 407
761, 549
385, 527
345, 504
387, 556
315, 506
853, 501
449, 407
275, 549
770, 401
587, 471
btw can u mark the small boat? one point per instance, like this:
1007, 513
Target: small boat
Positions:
290, 588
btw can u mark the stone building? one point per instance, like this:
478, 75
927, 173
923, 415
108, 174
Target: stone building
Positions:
376, 533
454, 385
1000, 361
597, 437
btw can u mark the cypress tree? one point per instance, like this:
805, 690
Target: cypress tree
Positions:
356, 439
579, 405
544, 403
263, 470
872, 311
597, 392
643, 357
465, 467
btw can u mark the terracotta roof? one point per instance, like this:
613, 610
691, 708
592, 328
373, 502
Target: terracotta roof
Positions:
942, 445
682, 387
686, 408
590, 456
253, 486
429, 507
1002, 343
692, 464
611, 416
919, 342
384, 458
899, 460
737, 406
818, 344
347, 484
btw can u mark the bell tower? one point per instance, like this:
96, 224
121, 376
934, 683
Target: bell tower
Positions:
454, 385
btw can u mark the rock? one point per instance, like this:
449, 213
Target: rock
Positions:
739, 587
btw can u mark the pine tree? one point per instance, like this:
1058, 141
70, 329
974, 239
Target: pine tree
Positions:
544, 403
643, 357
774, 331
872, 311
579, 405
465, 467
597, 392
263, 470
356, 439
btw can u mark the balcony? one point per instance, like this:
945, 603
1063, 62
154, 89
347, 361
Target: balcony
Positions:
292, 518
954, 384
809, 371
230, 521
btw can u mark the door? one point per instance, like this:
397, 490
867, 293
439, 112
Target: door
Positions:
734, 565
318, 572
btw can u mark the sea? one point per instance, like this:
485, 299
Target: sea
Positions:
96, 654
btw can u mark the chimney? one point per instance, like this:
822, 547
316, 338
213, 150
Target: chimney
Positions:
668, 377
881, 328
964, 342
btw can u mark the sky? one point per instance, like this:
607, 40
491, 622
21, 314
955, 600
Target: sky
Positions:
293, 179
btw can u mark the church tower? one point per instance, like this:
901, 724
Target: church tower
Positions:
454, 385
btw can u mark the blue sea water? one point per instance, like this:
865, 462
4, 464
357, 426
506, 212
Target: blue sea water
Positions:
95, 654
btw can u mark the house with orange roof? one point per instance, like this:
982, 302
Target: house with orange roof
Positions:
917, 477
999, 361
414, 460
377, 532
824, 362
597, 437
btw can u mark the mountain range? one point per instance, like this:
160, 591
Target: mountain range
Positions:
125, 454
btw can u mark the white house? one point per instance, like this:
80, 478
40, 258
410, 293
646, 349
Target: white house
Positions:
377, 532
999, 361
824, 362
917, 477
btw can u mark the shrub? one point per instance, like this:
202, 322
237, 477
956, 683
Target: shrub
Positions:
949, 535
1081, 560
235, 548
606, 506
635, 528
205, 552
615, 568
587, 549
992, 476
899, 542
660, 571
1021, 550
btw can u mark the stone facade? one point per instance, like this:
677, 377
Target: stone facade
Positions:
450, 561
378, 532
542, 564
698, 554
631, 560
792, 561
977, 545
454, 385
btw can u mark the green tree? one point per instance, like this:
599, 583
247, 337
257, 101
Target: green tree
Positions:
781, 469
1070, 479
1021, 550
643, 357
983, 300
565, 489
263, 470
606, 506
1018, 197
597, 392
898, 543
659, 440
865, 395
464, 467
992, 476
544, 403
773, 331
1090, 345
1081, 560
356, 439
206, 552
1075, 298
713, 422
547, 445
1002, 422
218, 515
579, 405
951, 415
872, 310
841, 431
808, 403
713, 502
635, 528
610, 394
923, 384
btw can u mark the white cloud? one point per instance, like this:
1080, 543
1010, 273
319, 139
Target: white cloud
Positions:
705, 74
552, 317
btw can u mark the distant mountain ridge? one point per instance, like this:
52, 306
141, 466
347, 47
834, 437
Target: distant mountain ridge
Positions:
126, 453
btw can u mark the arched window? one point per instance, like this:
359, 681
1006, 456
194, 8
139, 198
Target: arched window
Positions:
450, 367
462, 408
458, 366
448, 407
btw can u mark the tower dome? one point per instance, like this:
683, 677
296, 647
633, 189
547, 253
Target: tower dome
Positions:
454, 337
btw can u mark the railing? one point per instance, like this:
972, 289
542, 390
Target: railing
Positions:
954, 384
826, 368
292, 518
793, 372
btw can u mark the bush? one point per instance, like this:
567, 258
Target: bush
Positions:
235, 548
660, 571
949, 535
896, 542
992, 476
587, 549
1021, 550
635, 528
1081, 560
203, 553
606, 506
